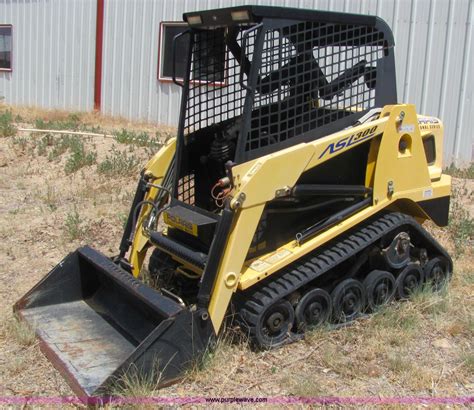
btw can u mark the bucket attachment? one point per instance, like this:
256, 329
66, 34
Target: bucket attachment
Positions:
95, 322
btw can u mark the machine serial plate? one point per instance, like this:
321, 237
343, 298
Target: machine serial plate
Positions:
261, 265
176, 222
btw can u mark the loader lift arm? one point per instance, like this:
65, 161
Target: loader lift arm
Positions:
295, 197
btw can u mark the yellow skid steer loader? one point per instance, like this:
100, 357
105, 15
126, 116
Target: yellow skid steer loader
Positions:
293, 192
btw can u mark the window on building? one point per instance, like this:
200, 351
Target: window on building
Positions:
168, 31
5, 47
210, 69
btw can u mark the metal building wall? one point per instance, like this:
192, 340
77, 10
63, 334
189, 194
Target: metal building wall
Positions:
54, 57
53, 53
434, 58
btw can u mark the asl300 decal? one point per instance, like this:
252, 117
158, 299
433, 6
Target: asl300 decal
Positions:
348, 141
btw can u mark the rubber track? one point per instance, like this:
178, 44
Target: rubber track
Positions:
253, 302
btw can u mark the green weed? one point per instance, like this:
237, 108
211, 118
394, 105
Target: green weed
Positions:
21, 332
73, 122
7, 129
140, 139
20, 142
50, 198
79, 157
398, 363
134, 383
467, 173
461, 224
54, 147
123, 218
467, 360
42, 145
73, 225
118, 163
428, 302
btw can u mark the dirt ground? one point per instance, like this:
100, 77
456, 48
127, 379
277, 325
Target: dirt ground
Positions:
417, 348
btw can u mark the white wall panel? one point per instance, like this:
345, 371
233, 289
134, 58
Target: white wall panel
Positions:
54, 56
53, 53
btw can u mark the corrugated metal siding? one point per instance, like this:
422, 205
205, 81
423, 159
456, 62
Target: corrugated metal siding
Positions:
53, 53
54, 56
434, 58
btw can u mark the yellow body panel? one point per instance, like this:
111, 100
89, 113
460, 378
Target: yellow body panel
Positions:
398, 178
157, 167
433, 126
258, 181
231, 264
176, 222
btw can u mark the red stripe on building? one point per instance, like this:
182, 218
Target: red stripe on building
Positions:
99, 39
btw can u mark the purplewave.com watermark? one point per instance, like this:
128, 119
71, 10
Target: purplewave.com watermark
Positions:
334, 400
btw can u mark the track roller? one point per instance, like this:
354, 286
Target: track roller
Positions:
313, 309
409, 280
348, 299
274, 324
280, 309
379, 288
437, 272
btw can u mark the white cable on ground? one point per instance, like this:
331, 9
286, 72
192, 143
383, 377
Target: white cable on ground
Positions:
85, 133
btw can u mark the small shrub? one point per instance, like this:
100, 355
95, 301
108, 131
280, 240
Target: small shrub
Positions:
461, 224
7, 129
217, 353
73, 225
50, 198
20, 142
21, 332
123, 218
59, 148
79, 157
43, 144
141, 139
118, 163
72, 122
429, 302
467, 173
467, 361
398, 363
54, 147
133, 383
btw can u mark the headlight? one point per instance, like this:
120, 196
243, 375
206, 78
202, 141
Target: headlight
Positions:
195, 19
240, 15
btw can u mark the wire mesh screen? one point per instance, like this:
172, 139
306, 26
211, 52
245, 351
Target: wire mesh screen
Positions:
214, 93
186, 189
312, 74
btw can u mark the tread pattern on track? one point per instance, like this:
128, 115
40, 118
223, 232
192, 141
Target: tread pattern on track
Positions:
251, 303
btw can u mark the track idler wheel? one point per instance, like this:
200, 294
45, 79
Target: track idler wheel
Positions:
274, 324
379, 288
437, 273
313, 309
348, 300
409, 280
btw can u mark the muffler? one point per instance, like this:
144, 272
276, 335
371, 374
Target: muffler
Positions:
95, 322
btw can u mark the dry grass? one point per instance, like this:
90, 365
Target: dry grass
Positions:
28, 115
133, 383
419, 347
18, 331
